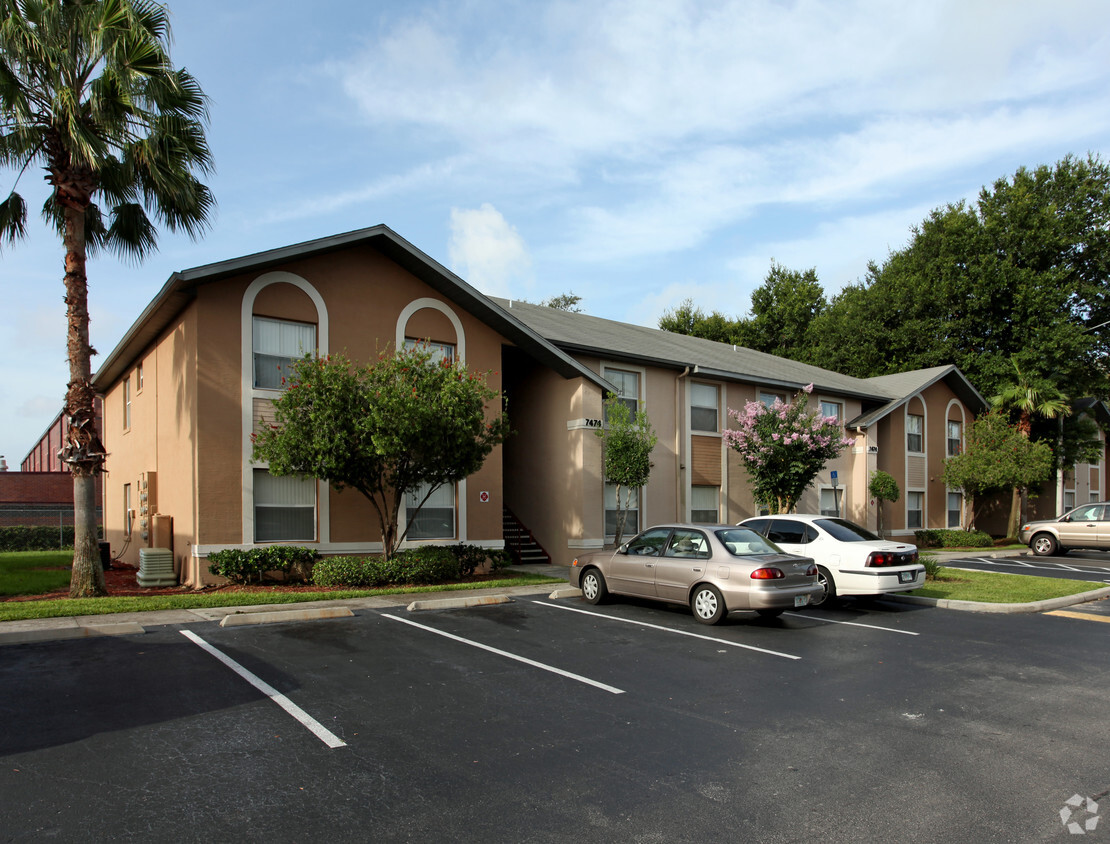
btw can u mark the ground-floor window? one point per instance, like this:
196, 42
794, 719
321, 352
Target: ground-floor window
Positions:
955, 509
705, 504
436, 518
915, 509
632, 519
284, 508
829, 502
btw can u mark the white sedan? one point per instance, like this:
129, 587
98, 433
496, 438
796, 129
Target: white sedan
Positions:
850, 559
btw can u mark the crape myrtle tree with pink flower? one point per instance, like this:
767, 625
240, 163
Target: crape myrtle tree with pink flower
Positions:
783, 447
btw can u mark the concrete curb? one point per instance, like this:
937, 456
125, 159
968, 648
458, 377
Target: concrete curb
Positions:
983, 606
456, 603
242, 619
76, 631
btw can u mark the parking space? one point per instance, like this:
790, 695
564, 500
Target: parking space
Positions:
545, 719
1075, 566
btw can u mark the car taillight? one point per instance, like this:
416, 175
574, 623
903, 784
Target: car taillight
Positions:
880, 558
812, 571
767, 573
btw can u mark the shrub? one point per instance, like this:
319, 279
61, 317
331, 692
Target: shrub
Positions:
932, 565
472, 557
243, 566
952, 539
428, 564
342, 571
36, 538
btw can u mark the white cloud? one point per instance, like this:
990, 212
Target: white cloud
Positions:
488, 252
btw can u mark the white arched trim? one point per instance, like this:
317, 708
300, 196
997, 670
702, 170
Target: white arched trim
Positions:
249, 393
436, 305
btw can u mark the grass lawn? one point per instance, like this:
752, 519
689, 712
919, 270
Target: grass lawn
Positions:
996, 588
20, 574
34, 572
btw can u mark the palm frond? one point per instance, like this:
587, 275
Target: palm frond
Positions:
13, 219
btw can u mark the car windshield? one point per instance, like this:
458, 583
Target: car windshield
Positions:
844, 530
742, 542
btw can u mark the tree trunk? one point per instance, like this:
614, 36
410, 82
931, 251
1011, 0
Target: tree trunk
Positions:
1012, 525
83, 452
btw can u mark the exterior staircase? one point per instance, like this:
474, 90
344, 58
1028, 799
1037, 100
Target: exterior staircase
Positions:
520, 543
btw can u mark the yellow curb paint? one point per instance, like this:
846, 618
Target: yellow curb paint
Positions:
1085, 616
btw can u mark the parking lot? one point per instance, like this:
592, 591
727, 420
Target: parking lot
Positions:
543, 720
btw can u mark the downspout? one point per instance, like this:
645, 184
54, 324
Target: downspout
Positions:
679, 436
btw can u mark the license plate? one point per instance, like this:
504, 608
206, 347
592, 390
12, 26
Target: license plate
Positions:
801, 600
907, 576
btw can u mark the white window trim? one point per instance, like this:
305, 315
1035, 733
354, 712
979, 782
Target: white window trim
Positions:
924, 510
640, 405
249, 393
690, 410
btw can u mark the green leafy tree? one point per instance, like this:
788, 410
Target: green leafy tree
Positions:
628, 440
386, 429
1019, 275
783, 447
783, 308
997, 458
564, 302
882, 487
88, 92
693, 321
1028, 398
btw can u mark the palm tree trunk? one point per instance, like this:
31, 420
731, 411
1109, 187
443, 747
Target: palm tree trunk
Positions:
83, 452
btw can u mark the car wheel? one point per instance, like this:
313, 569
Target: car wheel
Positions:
594, 589
1044, 545
771, 613
707, 604
827, 596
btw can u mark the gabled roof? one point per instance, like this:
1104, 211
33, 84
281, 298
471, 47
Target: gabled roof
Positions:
181, 288
584, 334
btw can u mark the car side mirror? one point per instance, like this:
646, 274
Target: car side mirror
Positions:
1065, 518
623, 549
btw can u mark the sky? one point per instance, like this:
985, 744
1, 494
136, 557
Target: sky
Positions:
633, 152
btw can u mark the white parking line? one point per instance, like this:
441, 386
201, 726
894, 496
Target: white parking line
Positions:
667, 629
315, 727
525, 660
853, 624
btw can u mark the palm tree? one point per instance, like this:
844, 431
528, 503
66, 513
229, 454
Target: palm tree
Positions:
88, 93
1029, 398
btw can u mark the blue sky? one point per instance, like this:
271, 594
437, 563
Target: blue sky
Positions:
635, 152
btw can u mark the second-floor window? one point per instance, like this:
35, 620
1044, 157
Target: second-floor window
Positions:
914, 434
703, 407
955, 437
277, 343
628, 388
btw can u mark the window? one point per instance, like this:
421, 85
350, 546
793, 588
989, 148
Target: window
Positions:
440, 351
436, 518
632, 519
649, 543
829, 502
915, 509
769, 399
127, 402
628, 388
703, 407
687, 543
1069, 501
790, 532
834, 409
914, 427
705, 504
955, 437
127, 510
277, 343
284, 508
955, 509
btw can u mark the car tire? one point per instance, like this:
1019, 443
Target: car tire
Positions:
594, 589
707, 604
827, 597
1044, 545
771, 613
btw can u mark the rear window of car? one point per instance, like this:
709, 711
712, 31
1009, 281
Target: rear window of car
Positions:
742, 542
845, 531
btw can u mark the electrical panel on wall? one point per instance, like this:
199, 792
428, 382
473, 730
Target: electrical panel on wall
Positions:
147, 507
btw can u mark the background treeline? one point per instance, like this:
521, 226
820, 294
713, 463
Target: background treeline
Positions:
1017, 279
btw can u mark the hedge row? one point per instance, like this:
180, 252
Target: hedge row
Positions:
952, 539
293, 562
41, 538
426, 565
